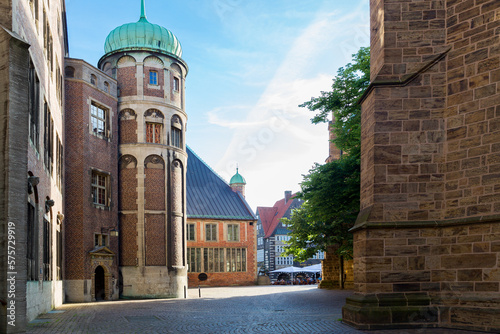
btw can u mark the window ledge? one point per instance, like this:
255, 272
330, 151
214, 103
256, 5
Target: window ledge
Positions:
101, 207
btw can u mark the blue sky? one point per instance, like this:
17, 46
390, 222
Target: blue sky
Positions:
251, 63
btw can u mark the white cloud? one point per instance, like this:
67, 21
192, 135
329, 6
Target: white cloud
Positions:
273, 155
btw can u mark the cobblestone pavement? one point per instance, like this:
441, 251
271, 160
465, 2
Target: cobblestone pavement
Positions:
255, 309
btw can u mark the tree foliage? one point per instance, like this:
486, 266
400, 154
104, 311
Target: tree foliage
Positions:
348, 86
331, 191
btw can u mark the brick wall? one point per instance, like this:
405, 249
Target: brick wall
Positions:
84, 153
128, 82
154, 228
74, 255
128, 131
128, 189
248, 235
128, 239
157, 91
154, 194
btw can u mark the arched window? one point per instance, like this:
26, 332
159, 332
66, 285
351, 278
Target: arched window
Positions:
154, 126
93, 80
176, 129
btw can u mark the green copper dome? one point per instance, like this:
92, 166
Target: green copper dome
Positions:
142, 35
237, 178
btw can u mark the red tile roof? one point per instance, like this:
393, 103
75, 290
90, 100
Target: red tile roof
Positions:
270, 216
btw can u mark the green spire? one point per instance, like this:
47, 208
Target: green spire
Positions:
237, 178
143, 12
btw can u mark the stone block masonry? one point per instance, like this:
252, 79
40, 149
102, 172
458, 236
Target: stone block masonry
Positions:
426, 241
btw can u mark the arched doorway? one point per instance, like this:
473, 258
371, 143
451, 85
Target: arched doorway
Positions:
99, 286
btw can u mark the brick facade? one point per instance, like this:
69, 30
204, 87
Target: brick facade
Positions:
247, 240
425, 240
152, 200
86, 153
128, 237
154, 90
155, 240
128, 131
154, 195
127, 81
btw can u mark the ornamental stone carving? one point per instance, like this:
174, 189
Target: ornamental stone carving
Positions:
128, 162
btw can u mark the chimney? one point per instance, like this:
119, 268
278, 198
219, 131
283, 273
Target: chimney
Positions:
288, 195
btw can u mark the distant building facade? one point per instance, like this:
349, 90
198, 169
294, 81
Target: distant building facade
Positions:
272, 236
221, 228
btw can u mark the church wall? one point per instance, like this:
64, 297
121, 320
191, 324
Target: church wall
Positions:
425, 243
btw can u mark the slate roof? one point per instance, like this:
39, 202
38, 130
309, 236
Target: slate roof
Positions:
270, 216
281, 231
209, 196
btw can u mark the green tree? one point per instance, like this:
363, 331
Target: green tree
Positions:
331, 191
348, 86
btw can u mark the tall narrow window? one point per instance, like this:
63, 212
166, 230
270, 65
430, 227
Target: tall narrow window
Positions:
176, 131
153, 133
176, 84
210, 232
59, 161
236, 259
46, 251
59, 255
58, 82
100, 240
31, 251
34, 105
191, 232
233, 232
93, 80
194, 260
153, 78
48, 138
98, 116
99, 188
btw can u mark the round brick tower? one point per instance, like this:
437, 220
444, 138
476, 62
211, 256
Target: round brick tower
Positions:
146, 61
